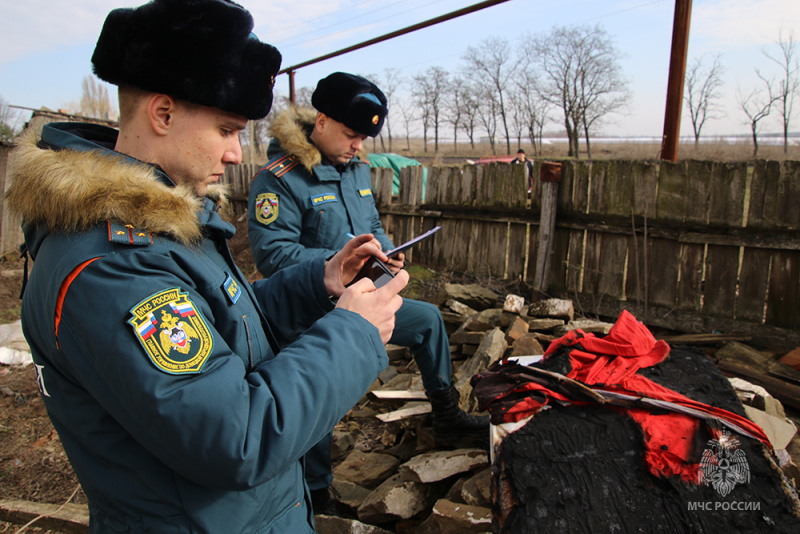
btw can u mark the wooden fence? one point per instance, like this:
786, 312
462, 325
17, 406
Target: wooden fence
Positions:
694, 246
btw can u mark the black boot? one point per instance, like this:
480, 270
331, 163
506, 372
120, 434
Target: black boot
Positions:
323, 503
451, 425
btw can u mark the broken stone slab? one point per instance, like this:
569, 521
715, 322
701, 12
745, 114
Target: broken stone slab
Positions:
439, 465
552, 308
513, 304
590, 326
397, 353
544, 325
473, 295
473, 324
526, 345
464, 337
468, 349
367, 469
460, 308
477, 490
348, 494
328, 524
388, 374
398, 497
516, 330
792, 359
449, 517
341, 442
489, 351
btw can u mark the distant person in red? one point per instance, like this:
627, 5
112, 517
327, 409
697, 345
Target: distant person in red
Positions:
522, 160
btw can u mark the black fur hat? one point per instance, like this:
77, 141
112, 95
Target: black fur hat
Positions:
201, 51
352, 100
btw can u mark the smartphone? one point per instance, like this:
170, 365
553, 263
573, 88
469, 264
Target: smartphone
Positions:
375, 270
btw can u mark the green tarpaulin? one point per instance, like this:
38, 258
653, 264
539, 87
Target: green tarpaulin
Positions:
397, 162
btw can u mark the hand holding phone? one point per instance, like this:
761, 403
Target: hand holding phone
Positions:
375, 270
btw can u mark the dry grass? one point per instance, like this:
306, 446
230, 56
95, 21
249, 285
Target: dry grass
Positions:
720, 151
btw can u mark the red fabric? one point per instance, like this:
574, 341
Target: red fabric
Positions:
611, 363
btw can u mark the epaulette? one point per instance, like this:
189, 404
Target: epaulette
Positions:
282, 165
126, 234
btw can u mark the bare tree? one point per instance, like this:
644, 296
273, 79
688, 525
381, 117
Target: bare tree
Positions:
702, 91
756, 105
468, 102
454, 107
407, 114
580, 75
94, 99
788, 87
388, 83
493, 69
8, 122
428, 91
534, 108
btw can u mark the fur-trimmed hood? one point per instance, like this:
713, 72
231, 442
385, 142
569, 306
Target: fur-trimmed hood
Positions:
71, 190
290, 129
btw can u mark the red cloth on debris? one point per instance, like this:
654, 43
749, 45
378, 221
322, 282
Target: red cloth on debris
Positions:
611, 363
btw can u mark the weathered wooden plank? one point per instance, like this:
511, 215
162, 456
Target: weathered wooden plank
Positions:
753, 281
690, 261
787, 213
591, 262
612, 188
487, 249
699, 175
570, 250
517, 250
644, 180
533, 247
424, 251
577, 199
784, 290
663, 264
764, 193
382, 185
450, 250
672, 192
536, 189
727, 194
410, 189
612, 267
722, 269
67, 518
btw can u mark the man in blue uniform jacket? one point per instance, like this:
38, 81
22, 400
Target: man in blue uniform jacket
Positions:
303, 204
185, 398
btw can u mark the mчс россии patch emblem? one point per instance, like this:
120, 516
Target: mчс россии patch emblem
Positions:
266, 207
174, 335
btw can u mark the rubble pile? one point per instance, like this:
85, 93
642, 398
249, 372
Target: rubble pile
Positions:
390, 477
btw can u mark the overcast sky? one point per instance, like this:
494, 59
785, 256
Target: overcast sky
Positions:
46, 45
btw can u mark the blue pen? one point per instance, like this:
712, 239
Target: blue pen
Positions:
351, 236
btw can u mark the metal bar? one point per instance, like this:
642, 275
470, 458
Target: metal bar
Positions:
397, 33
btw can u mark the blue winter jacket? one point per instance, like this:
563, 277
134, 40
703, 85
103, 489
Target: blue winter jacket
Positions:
158, 363
299, 209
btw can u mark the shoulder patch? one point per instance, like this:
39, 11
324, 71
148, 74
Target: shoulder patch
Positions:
365, 192
323, 198
126, 234
266, 207
172, 333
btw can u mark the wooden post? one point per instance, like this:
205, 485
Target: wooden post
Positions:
677, 74
550, 176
